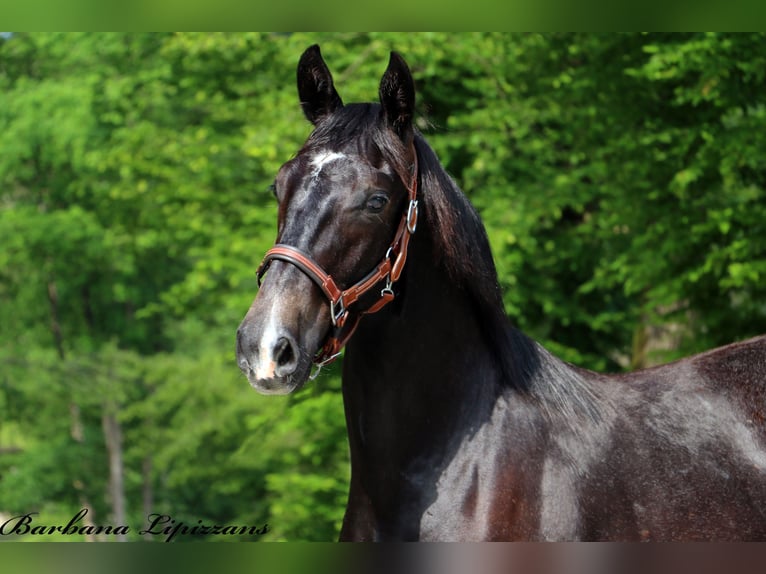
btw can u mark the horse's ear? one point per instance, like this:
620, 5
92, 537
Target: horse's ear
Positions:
397, 96
315, 87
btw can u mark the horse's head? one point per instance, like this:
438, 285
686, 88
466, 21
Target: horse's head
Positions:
343, 201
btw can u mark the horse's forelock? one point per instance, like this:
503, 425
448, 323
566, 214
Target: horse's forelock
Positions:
361, 129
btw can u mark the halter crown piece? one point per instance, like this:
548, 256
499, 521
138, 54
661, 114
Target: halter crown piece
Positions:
344, 321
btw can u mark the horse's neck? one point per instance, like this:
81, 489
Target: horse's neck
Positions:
419, 374
430, 366
432, 403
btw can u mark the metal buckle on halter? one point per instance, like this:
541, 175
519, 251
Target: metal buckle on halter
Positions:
389, 283
336, 317
412, 216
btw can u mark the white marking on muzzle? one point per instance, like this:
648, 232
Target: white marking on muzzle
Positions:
265, 364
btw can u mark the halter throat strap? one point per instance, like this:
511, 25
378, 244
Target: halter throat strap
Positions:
344, 321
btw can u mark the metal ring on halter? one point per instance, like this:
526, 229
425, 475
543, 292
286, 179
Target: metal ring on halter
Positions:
412, 216
388, 289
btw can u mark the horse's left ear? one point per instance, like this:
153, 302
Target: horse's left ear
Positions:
397, 96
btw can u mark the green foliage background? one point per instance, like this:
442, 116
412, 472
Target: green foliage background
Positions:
621, 178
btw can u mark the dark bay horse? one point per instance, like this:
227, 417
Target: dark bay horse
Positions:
460, 427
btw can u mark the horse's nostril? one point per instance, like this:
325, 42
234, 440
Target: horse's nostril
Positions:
285, 356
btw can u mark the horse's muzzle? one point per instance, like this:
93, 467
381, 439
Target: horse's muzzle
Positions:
272, 360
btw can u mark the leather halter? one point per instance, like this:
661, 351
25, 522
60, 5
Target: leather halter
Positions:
344, 321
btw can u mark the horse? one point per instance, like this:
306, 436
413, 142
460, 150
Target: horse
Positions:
460, 427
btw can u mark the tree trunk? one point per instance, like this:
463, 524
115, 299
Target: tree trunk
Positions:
76, 429
113, 439
147, 492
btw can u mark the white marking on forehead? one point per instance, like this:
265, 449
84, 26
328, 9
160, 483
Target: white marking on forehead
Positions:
323, 158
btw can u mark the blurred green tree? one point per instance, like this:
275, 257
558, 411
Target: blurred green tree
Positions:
620, 176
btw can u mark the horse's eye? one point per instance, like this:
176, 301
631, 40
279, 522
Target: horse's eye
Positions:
376, 203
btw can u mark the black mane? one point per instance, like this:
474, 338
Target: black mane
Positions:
462, 248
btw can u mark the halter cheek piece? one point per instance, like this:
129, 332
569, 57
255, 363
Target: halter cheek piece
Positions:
344, 322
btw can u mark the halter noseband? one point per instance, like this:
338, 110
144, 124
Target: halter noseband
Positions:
390, 268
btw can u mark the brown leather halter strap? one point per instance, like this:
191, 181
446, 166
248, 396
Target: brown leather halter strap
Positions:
345, 321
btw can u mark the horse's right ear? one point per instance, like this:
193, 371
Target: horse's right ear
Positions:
315, 86
397, 96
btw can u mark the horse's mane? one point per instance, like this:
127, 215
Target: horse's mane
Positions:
462, 248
